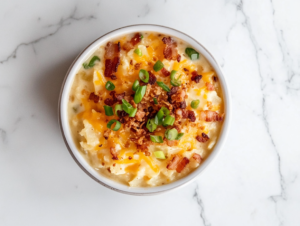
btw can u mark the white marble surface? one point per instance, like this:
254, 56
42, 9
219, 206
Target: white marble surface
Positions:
254, 181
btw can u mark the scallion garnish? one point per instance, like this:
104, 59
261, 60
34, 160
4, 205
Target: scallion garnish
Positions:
195, 103
155, 100
133, 112
109, 86
116, 127
118, 107
108, 110
138, 52
127, 107
179, 136
163, 86
156, 139
159, 155
139, 94
144, 75
135, 85
151, 126
168, 121
141, 36
193, 54
158, 66
91, 63
160, 115
171, 134
174, 81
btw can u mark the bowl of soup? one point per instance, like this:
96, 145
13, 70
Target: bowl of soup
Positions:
144, 109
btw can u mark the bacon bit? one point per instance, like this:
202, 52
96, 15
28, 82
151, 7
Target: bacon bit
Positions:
147, 153
197, 157
113, 77
140, 115
142, 147
195, 77
137, 66
191, 115
185, 69
174, 90
112, 58
183, 162
109, 101
211, 116
130, 44
100, 145
209, 86
173, 163
171, 143
203, 138
131, 62
129, 157
108, 169
94, 97
114, 154
185, 113
170, 51
178, 58
120, 96
183, 104
106, 134
165, 72
152, 78
215, 78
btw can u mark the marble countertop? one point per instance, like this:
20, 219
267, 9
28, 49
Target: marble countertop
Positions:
254, 181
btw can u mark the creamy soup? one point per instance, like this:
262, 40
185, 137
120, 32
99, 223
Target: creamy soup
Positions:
145, 109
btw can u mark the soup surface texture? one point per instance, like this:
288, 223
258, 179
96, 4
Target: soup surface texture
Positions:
145, 109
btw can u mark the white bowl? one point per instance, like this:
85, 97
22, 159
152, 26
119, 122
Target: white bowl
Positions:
64, 122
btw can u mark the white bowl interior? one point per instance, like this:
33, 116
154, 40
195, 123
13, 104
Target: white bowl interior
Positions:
64, 98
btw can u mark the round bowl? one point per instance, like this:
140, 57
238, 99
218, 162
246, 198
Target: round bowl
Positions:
64, 122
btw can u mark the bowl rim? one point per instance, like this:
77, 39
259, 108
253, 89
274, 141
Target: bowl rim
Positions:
64, 124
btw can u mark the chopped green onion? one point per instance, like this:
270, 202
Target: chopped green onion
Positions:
127, 107
171, 134
138, 52
156, 139
174, 81
151, 126
108, 110
139, 94
141, 36
160, 115
91, 63
118, 107
165, 110
158, 66
155, 100
195, 103
193, 54
109, 86
135, 85
144, 75
116, 127
133, 112
163, 86
179, 136
168, 121
159, 155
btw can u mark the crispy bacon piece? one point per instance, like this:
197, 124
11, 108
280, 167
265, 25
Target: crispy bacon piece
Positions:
115, 98
203, 138
172, 143
211, 116
209, 86
106, 134
170, 50
94, 97
114, 154
113, 77
140, 115
173, 163
109, 101
130, 44
165, 72
195, 77
191, 115
152, 78
183, 162
178, 58
112, 58
197, 157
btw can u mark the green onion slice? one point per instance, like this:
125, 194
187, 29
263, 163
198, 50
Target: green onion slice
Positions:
108, 110
174, 81
133, 112
168, 121
160, 115
91, 63
144, 75
139, 94
179, 136
159, 155
138, 52
151, 126
118, 107
127, 107
141, 36
163, 86
158, 66
135, 85
155, 100
195, 103
156, 139
171, 134
116, 127
193, 54
109, 86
